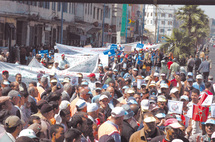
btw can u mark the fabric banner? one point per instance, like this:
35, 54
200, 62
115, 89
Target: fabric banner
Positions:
29, 74
200, 113
73, 60
71, 50
175, 106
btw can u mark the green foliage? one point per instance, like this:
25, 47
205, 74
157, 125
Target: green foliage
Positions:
192, 32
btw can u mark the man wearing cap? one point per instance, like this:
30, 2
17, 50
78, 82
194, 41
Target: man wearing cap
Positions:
13, 126
92, 81
111, 127
22, 85
199, 84
92, 111
15, 98
161, 102
47, 115
55, 66
134, 74
103, 102
5, 76
81, 105
5, 103
148, 132
210, 129
173, 131
127, 130
174, 94
63, 63
164, 89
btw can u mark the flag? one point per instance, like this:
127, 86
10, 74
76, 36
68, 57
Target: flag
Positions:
175, 106
206, 99
200, 113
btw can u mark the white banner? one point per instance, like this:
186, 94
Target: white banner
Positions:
73, 60
29, 74
79, 50
175, 106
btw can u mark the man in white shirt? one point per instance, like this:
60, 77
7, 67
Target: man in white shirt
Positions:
64, 64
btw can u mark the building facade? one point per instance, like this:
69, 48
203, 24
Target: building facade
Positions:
162, 23
39, 23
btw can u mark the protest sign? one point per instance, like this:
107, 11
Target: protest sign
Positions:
175, 106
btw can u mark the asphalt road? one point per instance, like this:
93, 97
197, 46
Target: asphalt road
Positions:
212, 57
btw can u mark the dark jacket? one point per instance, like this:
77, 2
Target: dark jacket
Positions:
126, 132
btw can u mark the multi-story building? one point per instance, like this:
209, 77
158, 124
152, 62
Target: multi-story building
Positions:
212, 27
39, 23
162, 23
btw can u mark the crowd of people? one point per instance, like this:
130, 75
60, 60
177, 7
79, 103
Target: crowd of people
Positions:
126, 101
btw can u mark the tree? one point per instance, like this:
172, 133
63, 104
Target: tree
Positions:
195, 22
178, 43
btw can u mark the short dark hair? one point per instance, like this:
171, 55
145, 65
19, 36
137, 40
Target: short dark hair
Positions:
34, 83
196, 91
24, 94
76, 119
207, 84
53, 96
72, 134
54, 128
10, 130
32, 118
18, 74
54, 104
64, 112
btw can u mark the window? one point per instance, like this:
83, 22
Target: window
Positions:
170, 15
101, 14
107, 12
94, 12
91, 8
163, 22
169, 22
46, 5
86, 8
145, 13
162, 30
73, 8
65, 7
151, 21
58, 6
53, 6
163, 14
169, 30
98, 14
40, 4
151, 14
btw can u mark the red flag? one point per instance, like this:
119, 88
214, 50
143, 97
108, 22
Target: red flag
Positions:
206, 99
200, 113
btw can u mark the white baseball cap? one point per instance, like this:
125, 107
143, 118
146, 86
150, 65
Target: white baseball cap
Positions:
145, 104
173, 90
103, 97
118, 112
81, 104
199, 76
28, 133
92, 107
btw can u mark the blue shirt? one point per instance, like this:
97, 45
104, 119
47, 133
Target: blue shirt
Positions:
200, 87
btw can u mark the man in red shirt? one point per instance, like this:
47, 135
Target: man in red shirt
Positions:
169, 63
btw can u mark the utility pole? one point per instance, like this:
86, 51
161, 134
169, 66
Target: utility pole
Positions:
156, 21
61, 38
142, 30
126, 27
103, 23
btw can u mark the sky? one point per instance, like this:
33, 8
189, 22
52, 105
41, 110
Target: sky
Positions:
209, 9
